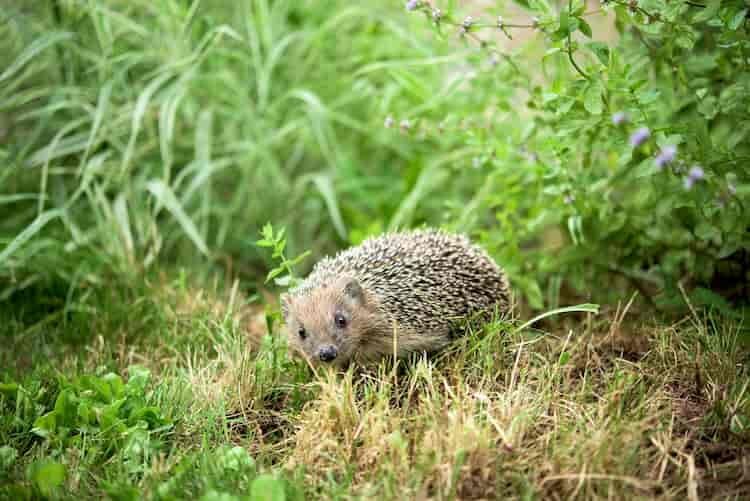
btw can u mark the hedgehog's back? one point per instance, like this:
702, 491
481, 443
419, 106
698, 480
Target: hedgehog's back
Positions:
423, 278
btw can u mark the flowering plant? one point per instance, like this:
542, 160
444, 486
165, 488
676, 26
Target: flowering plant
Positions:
636, 148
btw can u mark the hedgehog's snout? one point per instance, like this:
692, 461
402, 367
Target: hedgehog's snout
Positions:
328, 353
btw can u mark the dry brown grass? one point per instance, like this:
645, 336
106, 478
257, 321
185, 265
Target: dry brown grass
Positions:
618, 410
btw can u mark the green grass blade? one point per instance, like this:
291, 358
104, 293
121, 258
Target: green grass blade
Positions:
39, 45
325, 188
29, 232
166, 197
584, 308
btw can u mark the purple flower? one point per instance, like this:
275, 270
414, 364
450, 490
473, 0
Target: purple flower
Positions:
388, 122
413, 5
619, 118
666, 156
639, 137
695, 174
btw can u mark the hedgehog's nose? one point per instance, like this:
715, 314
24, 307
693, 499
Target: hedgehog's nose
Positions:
328, 353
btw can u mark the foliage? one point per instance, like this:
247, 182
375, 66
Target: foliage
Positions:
635, 148
107, 412
137, 135
504, 412
145, 144
277, 243
180, 147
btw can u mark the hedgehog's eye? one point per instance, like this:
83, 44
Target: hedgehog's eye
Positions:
302, 333
340, 321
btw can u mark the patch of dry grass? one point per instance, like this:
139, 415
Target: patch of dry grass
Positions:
619, 409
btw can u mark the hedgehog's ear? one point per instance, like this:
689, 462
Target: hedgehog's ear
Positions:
354, 292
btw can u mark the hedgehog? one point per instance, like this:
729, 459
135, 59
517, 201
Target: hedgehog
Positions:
394, 294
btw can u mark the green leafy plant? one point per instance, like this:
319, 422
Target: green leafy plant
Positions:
113, 415
277, 243
633, 148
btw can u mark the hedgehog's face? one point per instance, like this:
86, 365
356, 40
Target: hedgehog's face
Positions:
325, 325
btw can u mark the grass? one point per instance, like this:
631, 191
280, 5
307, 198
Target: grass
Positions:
140, 140
179, 395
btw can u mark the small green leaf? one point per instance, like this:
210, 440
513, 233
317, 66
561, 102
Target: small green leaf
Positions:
298, 259
8, 456
592, 98
213, 495
708, 12
708, 107
45, 425
47, 476
274, 273
686, 39
737, 19
267, 488
648, 96
66, 409
552, 52
9, 389
706, 297
138, 378
237, 459
584, 27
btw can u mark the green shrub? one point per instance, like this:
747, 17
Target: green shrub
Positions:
137, 134
636, 149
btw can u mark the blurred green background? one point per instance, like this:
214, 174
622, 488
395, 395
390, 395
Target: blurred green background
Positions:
139, 136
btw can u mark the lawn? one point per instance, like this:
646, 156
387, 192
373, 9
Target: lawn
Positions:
178, 395
169, 168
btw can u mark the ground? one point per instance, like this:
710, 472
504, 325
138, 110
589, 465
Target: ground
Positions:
171, 391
